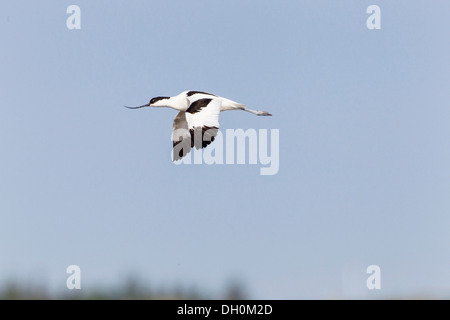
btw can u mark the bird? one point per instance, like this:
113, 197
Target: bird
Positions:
197, 122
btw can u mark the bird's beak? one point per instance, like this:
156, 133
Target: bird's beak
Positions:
143, 106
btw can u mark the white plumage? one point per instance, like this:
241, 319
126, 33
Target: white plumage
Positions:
197, 121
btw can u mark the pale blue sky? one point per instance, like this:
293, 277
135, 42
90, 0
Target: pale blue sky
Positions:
364, 146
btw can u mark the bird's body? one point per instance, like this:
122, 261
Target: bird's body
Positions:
197, 121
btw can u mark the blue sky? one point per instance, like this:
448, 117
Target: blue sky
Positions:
364, 146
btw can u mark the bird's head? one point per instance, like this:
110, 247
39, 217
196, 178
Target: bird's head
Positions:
154, 102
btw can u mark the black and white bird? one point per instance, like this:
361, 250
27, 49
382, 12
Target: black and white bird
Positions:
197, 121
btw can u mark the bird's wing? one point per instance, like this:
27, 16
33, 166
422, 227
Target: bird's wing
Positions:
202, 117
181, 136
196, 127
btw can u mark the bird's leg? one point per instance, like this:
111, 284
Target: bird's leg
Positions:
258, 113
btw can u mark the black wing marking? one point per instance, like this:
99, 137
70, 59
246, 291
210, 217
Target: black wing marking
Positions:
191, 93
198, 105
201, 137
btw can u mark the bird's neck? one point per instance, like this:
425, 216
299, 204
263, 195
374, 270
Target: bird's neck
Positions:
177, 103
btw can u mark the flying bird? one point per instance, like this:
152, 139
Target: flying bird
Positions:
197, 121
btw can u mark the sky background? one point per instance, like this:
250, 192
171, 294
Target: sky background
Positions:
363, 116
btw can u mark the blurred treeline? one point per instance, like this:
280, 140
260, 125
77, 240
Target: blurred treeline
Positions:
130, 289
